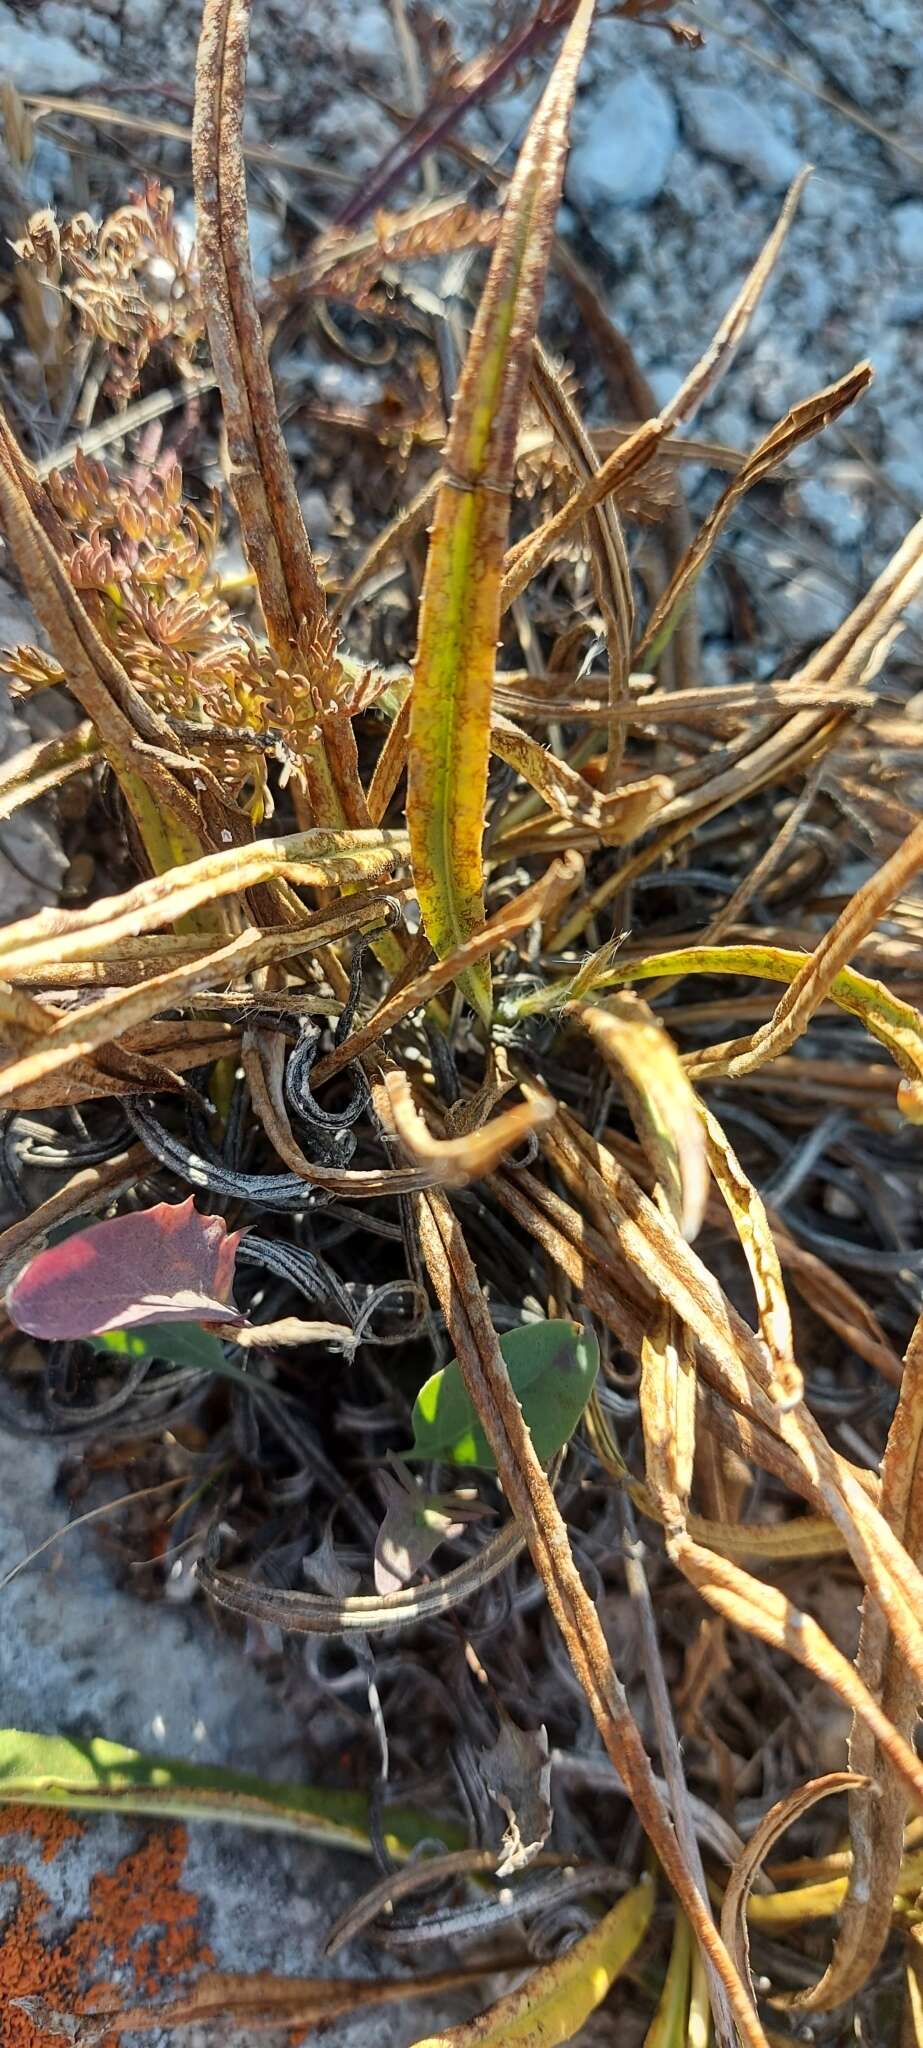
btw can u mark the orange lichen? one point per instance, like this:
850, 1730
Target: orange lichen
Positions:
137, 1941
52, 1826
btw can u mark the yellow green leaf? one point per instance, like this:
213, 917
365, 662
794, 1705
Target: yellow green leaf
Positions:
556, 2001
460, 607
668, 2026
104, 1777
896, 1024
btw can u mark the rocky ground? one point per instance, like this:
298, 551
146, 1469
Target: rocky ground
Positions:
680, 162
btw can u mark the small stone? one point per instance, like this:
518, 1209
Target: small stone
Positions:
39, 60
624, 157
837, 513
728, 126
808, 608
265, 232
316, 514
908, 230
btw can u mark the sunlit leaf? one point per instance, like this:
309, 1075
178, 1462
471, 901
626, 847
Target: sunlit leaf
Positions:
100, 1776
460, 607
552, 1366
165, 1264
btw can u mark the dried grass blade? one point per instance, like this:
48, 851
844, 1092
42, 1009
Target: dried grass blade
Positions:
618, 816
879, 1802
722, 349
735, 1364
468, 1157
626, 462
229, 2000
663, 1106
364, 1613
746, 1869
312, 858
799, 425
271, 522
38, 769
460, 606
97, 1023
771, 1543
752, 1226
608, 554
815, 979
766, 1612
665, 1115
526, 1487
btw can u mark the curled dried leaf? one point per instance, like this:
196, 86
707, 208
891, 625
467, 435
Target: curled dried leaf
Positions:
517, 1774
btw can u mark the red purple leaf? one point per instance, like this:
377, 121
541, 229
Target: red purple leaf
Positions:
162, 1265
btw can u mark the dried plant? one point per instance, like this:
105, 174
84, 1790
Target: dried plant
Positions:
209, 1018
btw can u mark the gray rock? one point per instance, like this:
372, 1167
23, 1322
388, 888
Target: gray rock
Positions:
903, 460
39, 60
838, 513
79, 1656
624, 157
808, 608
908, 231
733, 128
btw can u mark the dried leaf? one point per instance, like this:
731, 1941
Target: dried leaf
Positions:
798, 425
460, 606
878, 1804
555, 2001
460, 1159
415, 1524
166, 1264
772, 1825
487, 1384
663, 1106
517, 1774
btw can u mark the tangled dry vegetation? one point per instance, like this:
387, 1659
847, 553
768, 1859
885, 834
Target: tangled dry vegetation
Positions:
477, 857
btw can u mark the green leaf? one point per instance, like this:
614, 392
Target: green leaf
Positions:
186, 1344
459, 624
552, 1366
100, 1776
